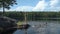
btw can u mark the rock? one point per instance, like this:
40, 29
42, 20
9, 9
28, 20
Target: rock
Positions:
6, 22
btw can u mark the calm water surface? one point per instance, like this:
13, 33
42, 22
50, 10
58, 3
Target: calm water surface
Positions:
52, 27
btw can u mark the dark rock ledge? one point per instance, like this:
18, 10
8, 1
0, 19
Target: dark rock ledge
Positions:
6, 23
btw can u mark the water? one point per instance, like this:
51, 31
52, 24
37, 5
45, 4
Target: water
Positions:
52, 27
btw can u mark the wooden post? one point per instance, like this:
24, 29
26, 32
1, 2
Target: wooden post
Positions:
25, 18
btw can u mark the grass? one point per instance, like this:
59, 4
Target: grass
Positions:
19, 23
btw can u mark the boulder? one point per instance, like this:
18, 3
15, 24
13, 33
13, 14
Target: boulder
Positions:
6, 22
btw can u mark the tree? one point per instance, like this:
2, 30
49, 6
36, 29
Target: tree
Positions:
6, 4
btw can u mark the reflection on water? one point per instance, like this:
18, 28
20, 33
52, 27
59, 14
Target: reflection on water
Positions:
53, 27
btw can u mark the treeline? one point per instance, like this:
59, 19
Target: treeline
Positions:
32, 15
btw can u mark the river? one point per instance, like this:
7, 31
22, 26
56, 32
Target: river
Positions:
52, 27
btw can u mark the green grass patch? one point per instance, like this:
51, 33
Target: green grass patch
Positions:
19, 23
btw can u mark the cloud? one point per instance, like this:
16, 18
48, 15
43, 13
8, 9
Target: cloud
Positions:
40, 6
55, 5
21, 8
7, 10
43, 5
24, 8
52, 5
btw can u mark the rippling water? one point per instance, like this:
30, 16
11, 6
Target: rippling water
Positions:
52, 27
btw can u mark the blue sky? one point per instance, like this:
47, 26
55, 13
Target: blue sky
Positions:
36, 5
27, 2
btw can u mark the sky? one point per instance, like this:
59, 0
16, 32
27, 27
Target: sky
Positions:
36, 5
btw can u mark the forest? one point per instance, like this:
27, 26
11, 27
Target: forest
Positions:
32, 15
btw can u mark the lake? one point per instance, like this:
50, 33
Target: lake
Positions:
40, 27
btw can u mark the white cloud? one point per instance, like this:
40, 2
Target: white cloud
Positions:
24, 8
10, 10
40, 6
21, 8
7, 10
55, 5
52, 5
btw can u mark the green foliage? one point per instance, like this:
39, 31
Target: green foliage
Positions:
32, 15
7, 3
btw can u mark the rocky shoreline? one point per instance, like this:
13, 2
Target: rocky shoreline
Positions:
7, 24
